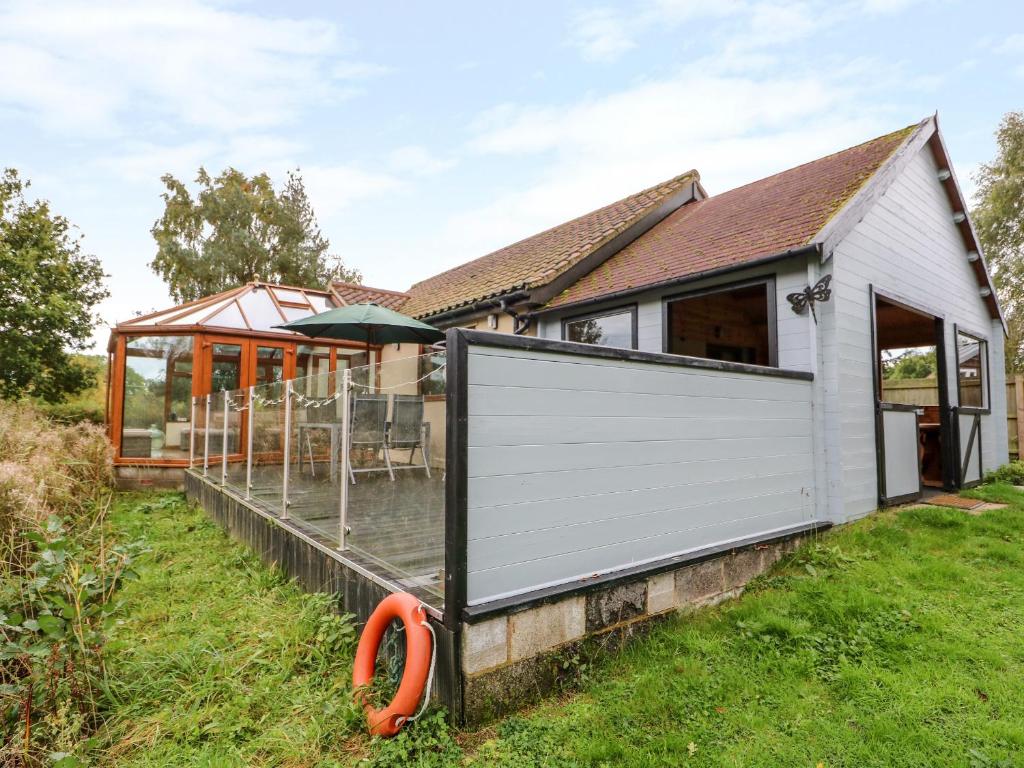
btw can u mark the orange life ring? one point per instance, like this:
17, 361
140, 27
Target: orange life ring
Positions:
406, 608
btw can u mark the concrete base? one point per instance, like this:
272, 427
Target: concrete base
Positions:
140, 478
513, 660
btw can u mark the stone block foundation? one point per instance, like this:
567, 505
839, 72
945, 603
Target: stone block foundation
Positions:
514, 659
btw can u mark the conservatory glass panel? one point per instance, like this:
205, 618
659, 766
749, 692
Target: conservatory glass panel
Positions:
226, 367
201, 313
228, 317
269, 364
294, 313
284, 294
157, 397
260, 310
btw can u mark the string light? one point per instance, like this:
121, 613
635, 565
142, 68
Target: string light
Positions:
258, 400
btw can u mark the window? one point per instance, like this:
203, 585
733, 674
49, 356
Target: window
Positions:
735, 324
972, 365
432, 373
157, 397
615, 328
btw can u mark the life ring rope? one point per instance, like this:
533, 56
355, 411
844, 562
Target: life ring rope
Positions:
430, 675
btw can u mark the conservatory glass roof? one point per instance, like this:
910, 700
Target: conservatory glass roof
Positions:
251, 307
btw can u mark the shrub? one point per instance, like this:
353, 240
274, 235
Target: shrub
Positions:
73, 413
1012, 473
47, 470
57, 581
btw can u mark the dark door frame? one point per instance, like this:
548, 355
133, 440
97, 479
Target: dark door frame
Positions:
949, 455
963, 458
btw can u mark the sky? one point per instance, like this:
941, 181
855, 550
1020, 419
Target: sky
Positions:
432, 133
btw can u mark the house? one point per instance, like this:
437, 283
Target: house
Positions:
636, 410
674, 270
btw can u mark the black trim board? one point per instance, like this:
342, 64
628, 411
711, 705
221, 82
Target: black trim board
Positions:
456, 474
516, 603
536, 344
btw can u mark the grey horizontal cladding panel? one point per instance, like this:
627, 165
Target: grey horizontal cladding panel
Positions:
751, 505
540, 486
592, 374
508, 519
581, 465
525, 459
496, 583
538, 401
547, 430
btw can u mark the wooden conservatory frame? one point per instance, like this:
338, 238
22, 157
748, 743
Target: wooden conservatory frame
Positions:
212, 320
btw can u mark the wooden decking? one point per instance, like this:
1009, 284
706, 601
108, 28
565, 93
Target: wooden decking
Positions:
396, 528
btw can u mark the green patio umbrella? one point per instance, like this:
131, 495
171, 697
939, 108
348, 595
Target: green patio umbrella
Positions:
365, 322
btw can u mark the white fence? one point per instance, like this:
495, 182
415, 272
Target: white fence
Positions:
580, 464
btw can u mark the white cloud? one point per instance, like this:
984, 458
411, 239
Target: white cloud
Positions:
1011, 45
733, 129
601, 34
358, 70
186, 63
332, 188
888, 6
741, 26
418, 161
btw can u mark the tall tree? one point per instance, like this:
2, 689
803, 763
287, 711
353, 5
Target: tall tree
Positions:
239, 229
48, 292
999, 218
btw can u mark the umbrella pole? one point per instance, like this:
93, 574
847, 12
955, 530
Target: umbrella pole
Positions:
369, 371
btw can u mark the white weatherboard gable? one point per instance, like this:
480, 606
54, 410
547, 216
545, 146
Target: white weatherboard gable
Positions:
907, 247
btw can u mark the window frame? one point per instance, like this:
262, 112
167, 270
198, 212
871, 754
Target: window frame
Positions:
768, 281
631, 309
986, 389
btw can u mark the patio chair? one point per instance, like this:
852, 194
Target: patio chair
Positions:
407, 430
368, 430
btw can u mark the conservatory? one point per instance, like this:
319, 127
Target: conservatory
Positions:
158, 362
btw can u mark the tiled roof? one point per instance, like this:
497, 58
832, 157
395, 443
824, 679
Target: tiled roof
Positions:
539, 259
751, 222
353, 293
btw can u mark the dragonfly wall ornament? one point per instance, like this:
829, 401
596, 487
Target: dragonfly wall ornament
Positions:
809, 296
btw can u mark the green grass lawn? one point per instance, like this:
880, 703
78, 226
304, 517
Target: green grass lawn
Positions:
898, 640
219, 660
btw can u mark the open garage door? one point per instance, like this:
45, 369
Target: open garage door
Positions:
914, 428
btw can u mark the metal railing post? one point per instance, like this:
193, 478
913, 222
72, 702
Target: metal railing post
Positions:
192, 434
343, 469
248, 446
224, 442
287, 447
206, 440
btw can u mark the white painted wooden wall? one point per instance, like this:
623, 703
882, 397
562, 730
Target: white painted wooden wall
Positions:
580, 465
906, 246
